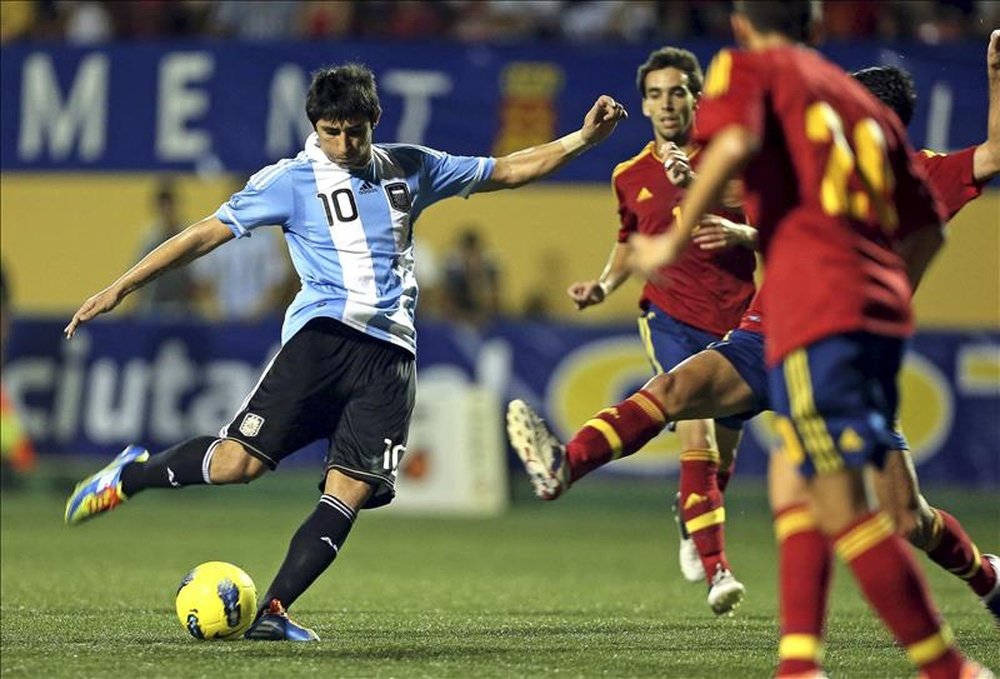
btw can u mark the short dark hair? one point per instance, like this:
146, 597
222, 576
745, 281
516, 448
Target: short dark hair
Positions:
671, 57
893, 86
340, 93
791, 18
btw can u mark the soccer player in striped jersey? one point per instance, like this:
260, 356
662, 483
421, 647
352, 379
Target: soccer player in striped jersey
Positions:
345, 370
688, 305
847, 229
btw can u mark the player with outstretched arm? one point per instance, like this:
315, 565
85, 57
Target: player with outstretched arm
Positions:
345, 370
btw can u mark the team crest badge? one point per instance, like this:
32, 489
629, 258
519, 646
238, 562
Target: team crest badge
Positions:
399, 196
251, 424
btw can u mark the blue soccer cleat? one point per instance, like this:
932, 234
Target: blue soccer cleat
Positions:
275, 625
102, 492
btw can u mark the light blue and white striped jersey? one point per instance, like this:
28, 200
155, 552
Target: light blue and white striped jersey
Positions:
349, 232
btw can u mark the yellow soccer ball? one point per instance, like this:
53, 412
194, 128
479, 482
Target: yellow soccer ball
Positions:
216, 600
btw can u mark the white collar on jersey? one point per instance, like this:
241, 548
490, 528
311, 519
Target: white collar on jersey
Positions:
315, 154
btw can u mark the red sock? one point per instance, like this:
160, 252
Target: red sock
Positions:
701, 508
723, 475
892, 583
615, 432
952, 549
804, 558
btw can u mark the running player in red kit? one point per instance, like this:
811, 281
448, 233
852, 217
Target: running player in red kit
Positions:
829, 178
690, 304
730, 379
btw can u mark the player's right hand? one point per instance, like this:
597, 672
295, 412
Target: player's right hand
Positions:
101, 303
586, 293
676, 164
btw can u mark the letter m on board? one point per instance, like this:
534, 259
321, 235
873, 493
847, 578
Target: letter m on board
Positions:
76, 121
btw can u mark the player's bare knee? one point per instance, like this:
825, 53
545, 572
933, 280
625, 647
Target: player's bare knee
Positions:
231, 463
664, 388
921, 532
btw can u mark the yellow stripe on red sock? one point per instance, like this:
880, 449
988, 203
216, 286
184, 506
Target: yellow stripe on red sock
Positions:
863, 537
801, 647
649, 406
610, 435
792, 521
706, 520
930, 649
704, 455
977, 563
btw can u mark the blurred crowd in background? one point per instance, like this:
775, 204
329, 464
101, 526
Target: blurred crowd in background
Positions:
88, 22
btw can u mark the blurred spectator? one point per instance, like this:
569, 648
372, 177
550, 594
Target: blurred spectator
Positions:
17, 455
87, 22
248, 280
175, 293
318, 20
471, 291
17, 17
260, 20
470, 21
427, 269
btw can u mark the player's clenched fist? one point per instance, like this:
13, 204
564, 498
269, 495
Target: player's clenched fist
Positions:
601, 120
586, 293
676, 164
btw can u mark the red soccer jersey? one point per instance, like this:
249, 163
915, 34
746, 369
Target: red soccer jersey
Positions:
951, 175
707, 289
826, 236
753, 318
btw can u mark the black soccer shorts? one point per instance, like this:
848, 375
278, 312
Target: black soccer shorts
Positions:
331, 381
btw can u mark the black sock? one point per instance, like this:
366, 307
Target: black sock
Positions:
186, 464
313, 548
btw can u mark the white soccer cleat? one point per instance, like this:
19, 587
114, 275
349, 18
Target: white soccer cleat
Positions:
687, 553
992, 600
543, 455
725, 592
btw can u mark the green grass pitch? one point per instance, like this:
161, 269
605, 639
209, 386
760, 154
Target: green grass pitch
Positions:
585, 586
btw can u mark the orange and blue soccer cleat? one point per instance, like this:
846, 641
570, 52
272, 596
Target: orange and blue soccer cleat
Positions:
542, 454
273, 624
102, 492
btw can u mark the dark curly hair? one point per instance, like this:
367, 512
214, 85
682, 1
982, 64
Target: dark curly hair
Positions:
791, 18
893, 86
346, 92
667, 57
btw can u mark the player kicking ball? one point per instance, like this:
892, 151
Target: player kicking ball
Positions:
345, 369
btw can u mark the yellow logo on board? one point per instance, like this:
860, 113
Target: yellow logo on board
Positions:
644, 194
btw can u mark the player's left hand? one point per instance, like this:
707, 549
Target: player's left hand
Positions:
715, 232
602, 119
646, 254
